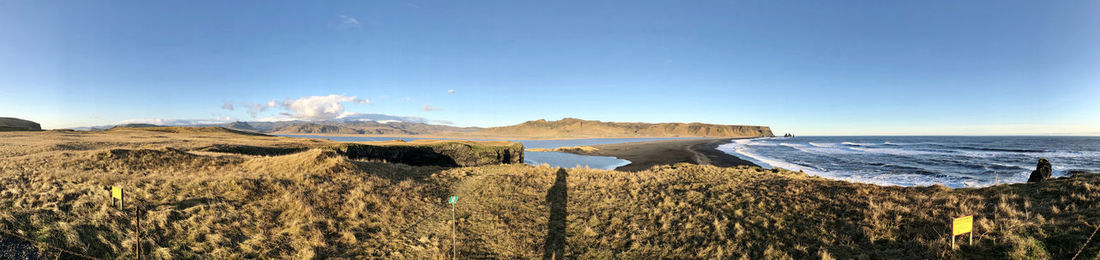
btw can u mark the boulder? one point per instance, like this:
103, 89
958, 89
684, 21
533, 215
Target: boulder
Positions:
1042, 171
15, 124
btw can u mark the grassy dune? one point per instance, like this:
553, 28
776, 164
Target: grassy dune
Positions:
319, 203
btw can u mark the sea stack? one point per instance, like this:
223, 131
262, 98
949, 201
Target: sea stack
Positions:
1042, 171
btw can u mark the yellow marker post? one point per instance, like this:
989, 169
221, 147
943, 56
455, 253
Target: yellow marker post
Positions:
962, 225
116, 193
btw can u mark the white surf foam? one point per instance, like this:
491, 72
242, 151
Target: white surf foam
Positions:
856, 144
823, 145
994, 161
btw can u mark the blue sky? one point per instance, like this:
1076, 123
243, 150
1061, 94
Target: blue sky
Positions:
806, 67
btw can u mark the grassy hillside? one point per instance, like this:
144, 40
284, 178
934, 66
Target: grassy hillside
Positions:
319, 203
572, 127
16, 124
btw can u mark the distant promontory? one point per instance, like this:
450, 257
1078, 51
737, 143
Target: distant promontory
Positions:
578, 128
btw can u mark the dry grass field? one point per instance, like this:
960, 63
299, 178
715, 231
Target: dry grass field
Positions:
208, 193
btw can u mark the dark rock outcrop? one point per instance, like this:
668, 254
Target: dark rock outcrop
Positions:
1042, 171
16, 124
449, 154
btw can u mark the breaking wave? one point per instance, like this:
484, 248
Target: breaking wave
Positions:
911, 161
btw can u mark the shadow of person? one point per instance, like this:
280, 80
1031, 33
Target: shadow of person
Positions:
557, 196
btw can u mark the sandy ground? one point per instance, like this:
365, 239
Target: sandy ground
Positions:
643, 155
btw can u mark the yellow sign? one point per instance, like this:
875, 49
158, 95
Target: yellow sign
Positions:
116, 192
962, 225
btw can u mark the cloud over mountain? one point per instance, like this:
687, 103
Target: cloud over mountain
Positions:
320, 107
312, 108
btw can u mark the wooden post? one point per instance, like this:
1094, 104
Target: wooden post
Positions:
952, 242
137, 232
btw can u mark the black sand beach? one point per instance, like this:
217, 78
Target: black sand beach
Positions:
643, 155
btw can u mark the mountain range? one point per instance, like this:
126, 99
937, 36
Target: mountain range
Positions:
564, 128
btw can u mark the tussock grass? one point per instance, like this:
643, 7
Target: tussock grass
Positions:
319, 203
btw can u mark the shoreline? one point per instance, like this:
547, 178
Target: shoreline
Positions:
645, 155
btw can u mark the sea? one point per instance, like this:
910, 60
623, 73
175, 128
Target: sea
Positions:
954, 161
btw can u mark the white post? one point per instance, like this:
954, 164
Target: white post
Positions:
454, 234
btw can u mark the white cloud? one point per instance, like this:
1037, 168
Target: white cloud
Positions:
311, 107
451, 91
227, 106
349, 21
256, 109
428, 107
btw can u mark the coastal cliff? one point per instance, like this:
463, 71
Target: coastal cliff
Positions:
572, 127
